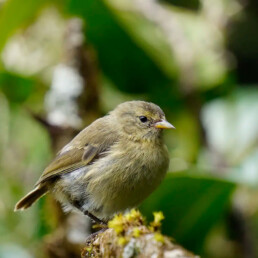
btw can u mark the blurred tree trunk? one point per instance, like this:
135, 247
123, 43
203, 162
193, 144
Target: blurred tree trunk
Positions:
71, 103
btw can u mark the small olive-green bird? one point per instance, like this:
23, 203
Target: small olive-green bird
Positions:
110, 166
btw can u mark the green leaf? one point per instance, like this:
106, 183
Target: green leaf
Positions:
191, 205
14, 14
140, 54
15, 87
122, 57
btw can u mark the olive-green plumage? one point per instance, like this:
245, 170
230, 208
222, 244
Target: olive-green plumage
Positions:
111, 165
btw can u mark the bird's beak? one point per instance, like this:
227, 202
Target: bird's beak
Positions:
163, 124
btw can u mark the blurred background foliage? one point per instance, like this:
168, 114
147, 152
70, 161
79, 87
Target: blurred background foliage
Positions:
65, 63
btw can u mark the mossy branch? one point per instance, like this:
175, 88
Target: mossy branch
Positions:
129, 236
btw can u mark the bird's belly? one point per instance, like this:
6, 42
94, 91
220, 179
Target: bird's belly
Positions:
123, 185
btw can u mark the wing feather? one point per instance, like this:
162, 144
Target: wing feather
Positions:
85, 148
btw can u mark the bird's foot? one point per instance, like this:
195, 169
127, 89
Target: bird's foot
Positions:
92, 236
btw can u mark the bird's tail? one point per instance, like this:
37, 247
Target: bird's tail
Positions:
31, 197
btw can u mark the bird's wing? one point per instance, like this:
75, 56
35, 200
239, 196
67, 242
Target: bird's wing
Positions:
88, 146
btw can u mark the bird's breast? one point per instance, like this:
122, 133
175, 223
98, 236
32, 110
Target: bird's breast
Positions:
127, 175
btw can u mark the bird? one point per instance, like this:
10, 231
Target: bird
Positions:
112, 165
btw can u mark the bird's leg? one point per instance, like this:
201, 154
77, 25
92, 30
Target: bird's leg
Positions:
97, 220
79, 205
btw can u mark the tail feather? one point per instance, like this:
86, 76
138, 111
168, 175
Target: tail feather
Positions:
30, 198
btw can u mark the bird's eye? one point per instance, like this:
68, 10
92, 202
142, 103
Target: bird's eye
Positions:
143, 119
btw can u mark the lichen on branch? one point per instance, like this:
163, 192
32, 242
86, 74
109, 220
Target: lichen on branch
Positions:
130, 236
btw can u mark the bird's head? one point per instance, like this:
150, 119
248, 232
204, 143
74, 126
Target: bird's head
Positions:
140, 120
